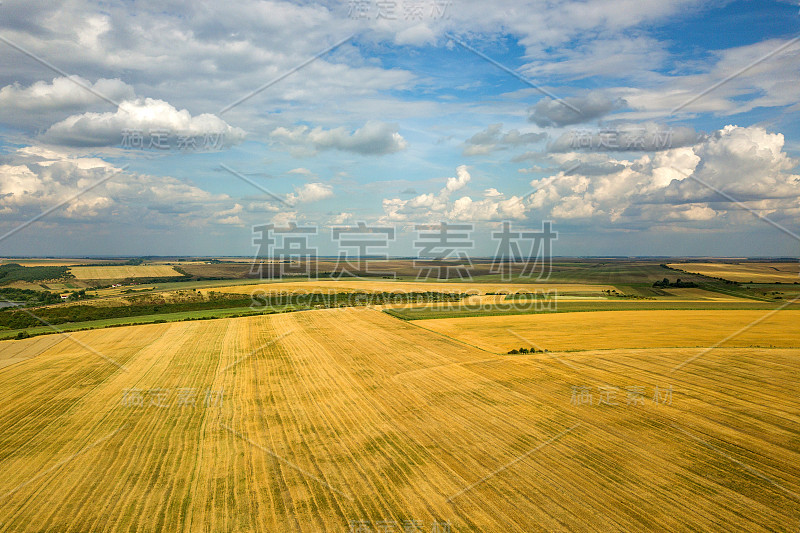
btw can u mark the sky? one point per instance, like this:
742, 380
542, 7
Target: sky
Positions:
636, 127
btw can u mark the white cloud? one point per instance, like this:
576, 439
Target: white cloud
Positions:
341, 218
142, 115
572, 110
230, 216
489, 209
310, 192
416, 35
36, 179
767, 83
301, 171
30, 106
460, 180
283, 219
493, 138
431, 207
374, 138
748, 164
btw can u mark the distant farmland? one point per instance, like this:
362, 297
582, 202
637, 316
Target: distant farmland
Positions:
123, 272
745, 272
334, 417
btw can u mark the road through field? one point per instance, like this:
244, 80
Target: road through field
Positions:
341, 418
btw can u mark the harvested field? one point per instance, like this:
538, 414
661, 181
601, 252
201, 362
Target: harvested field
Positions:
745, 272
700, 295
336, 416
623, 329
123, 272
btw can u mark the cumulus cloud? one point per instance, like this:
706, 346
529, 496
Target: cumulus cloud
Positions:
144, 116
493, 138
554, 113
310, 192
433, 207
459, 181
35, 179
341, 218
302, 171
37, 103
374, 138
680, 184
63, 93
645, 137
230, 216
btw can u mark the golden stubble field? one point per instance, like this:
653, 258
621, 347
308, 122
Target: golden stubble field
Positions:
745, 272
123, 271
344, 415
600, 330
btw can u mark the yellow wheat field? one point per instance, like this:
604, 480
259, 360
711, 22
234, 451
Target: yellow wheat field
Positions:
337, 419
623, 329
745, 272
123, 271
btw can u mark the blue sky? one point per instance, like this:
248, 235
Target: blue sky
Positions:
405, 123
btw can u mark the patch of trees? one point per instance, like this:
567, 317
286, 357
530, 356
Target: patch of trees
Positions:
154, 304
615, 294
525, 350
349, 299
60, 314
79, 295
14, 272
29, 296
675, 285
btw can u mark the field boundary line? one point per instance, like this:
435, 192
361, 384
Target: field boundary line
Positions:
550, 355
735, 334
268, 343
445, 336
70, 337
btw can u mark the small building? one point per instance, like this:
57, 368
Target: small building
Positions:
65, 297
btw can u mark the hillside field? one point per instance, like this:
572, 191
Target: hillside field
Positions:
333, 418
624, 329
745, 272
123, 271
